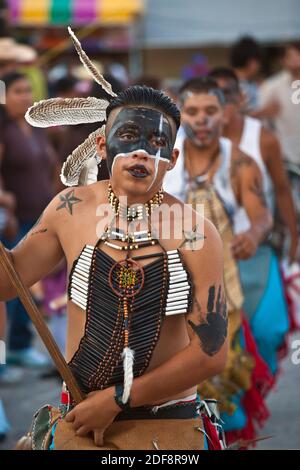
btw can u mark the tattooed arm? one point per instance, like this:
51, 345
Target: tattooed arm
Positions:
248, 187
40, 250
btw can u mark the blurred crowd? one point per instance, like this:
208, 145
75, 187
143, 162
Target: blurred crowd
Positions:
31, 160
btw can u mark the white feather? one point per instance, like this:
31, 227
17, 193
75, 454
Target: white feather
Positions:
89, 173
66, 111
128, 360
76, 162
90, 67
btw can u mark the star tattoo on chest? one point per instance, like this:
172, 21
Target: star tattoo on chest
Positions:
212, 329
68, 200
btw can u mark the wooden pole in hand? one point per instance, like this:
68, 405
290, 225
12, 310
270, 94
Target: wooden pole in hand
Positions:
42, 329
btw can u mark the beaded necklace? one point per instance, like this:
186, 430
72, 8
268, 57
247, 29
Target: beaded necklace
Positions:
136, 211
126, 303
126, 277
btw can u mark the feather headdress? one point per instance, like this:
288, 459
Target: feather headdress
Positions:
77, 169
81, 166
90, 67
66, 111
74, 168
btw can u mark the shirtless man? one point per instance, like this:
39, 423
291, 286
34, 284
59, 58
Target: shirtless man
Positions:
186, 347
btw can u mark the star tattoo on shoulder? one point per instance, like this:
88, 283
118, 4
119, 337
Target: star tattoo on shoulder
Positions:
212, 330
191, 238
68, 200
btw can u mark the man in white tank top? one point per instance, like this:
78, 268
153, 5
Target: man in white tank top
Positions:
263, 146
205, 155
264, 297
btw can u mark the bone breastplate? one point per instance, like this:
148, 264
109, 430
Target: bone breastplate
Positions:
94, 280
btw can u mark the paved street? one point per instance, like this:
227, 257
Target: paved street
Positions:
284, 425
23, 399
284, 405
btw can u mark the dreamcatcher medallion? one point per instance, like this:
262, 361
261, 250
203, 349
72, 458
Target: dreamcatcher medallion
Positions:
126, 278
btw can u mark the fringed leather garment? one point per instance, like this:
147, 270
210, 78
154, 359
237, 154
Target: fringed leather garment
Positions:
214, 210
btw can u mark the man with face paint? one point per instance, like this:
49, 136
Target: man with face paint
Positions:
145, 325
212, 172
261, 279
142, 130
262, 145
201, 156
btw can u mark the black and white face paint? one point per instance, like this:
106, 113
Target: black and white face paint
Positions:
140, 129
201, 128
209, 125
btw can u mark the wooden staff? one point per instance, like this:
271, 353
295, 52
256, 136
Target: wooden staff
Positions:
42, 329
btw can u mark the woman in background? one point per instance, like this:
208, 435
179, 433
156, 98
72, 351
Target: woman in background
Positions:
27, 169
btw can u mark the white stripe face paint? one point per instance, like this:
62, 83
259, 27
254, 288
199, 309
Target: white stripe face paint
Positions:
211, 124
137, 130
158, 157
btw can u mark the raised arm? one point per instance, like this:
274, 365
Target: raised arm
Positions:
36, 255
248, 185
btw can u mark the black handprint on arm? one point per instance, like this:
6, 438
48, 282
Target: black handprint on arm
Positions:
212, 330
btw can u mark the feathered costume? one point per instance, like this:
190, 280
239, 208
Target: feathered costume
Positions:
81, 168
73, 111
